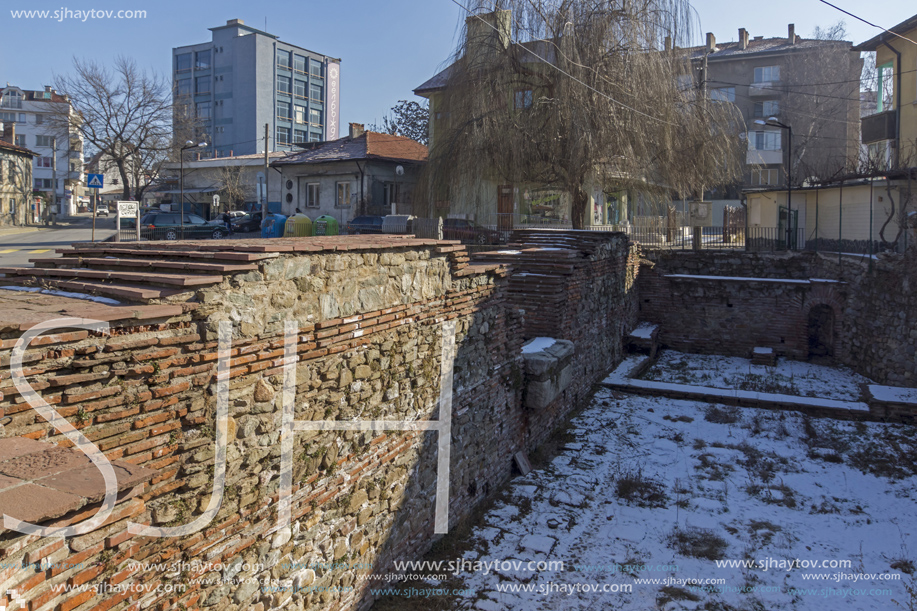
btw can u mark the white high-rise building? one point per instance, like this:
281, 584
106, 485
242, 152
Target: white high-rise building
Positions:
30, 112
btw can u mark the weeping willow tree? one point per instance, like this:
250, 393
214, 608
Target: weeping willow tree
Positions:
577, 93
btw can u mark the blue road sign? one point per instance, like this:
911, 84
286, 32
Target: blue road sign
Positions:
95, 181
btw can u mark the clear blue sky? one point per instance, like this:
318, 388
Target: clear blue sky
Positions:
387, 47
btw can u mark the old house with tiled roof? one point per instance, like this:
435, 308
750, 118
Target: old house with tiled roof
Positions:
363, 173
15, 179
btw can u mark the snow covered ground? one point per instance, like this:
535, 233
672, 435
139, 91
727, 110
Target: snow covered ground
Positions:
656, 489
788, 377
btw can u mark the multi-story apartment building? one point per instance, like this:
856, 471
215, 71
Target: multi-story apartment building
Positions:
244, 78
890, 130
809, 85
57, 170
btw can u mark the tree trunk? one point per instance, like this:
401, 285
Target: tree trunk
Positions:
579, 207
122, 171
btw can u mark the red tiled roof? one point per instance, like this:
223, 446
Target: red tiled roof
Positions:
6, 146
369, 145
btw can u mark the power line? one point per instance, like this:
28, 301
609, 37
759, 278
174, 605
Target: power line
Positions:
867, 22
586, 85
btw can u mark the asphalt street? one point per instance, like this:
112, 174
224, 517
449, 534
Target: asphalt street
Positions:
17, 248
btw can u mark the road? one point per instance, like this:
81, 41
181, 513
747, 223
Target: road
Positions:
17, 248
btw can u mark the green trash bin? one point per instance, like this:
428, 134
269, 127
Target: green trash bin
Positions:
325, 225
297, 226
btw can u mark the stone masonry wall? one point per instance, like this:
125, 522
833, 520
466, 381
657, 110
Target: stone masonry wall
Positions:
368, 347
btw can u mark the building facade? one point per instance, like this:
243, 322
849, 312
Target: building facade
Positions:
810, 85
15, 180
244, 78
57, 171
890, 130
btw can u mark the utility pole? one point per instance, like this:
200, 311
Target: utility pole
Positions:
54, 204
264, 193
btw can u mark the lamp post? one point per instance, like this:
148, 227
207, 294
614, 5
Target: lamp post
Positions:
773, 122
181, 181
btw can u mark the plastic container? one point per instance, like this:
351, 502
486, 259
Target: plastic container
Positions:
325, 225
297, 226
273, 226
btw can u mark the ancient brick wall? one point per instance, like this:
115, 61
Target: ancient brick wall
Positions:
875, 310
368, 347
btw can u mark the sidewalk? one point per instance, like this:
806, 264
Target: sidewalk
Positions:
61, 224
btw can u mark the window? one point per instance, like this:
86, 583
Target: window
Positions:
315, 92
886, 97
763, 177
299, 135
45, 141
283, 110
7, 117
343, 194
312, 195
202, 84
723, 94
523, 99
182, 62
283, 135
202, 109
767, 141
183, 87
11, 99
313, 137
767, 109
299, 63
283, 84
299, 114
202, 60
20, 140
39, 119
283, 59
43, 183
767, 74
299, 88
315, 116
43, 162
881, 153
315, 68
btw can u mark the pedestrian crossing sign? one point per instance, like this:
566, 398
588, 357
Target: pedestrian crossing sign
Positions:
96, 181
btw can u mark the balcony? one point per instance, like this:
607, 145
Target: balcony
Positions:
880, 126
764, 89
756, 157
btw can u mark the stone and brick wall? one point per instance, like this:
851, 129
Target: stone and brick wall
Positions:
875, 310
369, 342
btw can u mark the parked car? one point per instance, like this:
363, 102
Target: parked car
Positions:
168, 226
101, 210
469, 232
365, 224
236, 214
247, 223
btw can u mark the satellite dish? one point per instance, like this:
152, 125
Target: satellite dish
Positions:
399, 170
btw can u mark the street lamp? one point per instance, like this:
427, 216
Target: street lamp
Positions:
773, 122
181, 181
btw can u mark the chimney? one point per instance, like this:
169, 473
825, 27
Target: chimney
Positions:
486, 33
234, 22
711, 42
791, 34
357, 130
743, 38
668, 43
8, 132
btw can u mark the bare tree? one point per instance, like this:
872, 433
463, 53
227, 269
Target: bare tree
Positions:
235, 190
126, 114
408, 119
577, 93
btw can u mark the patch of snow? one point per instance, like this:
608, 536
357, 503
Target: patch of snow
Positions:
538, 543
738, 278
892, 394
82, 296
760, 350
509, 252
644, 330
539, 344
